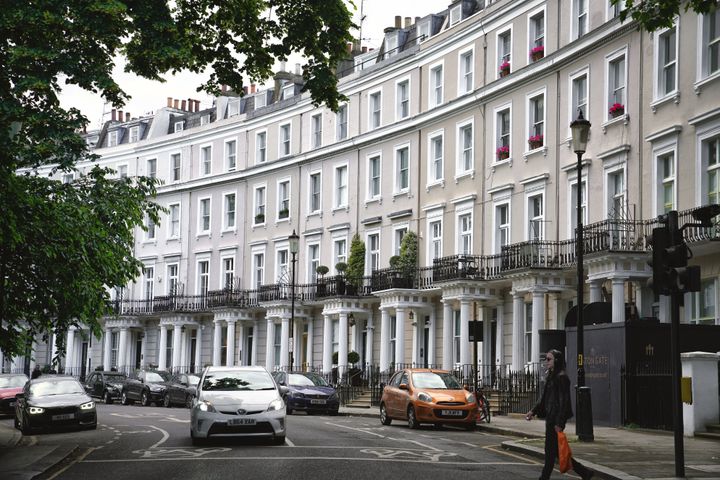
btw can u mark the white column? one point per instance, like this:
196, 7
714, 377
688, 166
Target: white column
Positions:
618, 300
465, 305
162, 363
198, 349
217, 343
370, 328
143, 349
447, 335
241, 343
122, 349
430, 354
384, 339
487, 337
595, 291
400, 316
70, 352
309, 345
518, 340
343, 348
285, 342
538, 322
327, 344
108, 349
253, 353
231, 342
176, 347
184, 336
270, 345
415, 359
500, 331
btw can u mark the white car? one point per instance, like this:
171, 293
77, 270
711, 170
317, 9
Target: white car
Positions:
237, 401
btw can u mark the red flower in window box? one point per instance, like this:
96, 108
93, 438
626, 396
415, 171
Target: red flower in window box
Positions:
536, 53
616, 109
535, 141
505, 68
503, 152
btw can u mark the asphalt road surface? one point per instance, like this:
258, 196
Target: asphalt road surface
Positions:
134, 442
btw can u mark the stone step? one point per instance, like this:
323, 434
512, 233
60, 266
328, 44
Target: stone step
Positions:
708, 435
713, 428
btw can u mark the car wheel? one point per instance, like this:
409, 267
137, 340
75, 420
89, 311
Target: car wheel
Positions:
195, 440
92, 427
107, 398
123, 399
412, 419
384, 419
279, 440
188, 401
145, 399
166, 400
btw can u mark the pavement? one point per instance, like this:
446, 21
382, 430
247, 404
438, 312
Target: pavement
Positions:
616, 453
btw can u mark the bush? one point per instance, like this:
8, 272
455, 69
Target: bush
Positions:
356, 261
322, 270
340, 267
353, 357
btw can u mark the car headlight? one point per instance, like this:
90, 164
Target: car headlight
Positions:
424, 397
470, 398
276, 404
36, 410
87, 406
205, 406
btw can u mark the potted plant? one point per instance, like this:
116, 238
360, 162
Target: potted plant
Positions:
405, 264
340, 267
616, 109
321, 270
354, 372
283, 213
503, 152
536, 53
356, 265
259, 218
535, 141
505, 68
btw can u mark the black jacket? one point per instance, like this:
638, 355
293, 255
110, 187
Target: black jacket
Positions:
554, 404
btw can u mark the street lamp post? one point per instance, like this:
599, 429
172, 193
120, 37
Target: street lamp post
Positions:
583, 420
294, 241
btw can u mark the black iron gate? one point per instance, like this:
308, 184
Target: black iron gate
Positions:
647, 394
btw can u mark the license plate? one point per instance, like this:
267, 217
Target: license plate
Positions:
64, 416
452, 413
241, 421
315, 401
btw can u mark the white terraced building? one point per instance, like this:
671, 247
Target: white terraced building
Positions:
456, 129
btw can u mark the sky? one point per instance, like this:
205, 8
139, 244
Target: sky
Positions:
148, 96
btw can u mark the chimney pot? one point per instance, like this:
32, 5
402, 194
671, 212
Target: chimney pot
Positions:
169, 102
298, 69
176, 103
252, 88
364, 49
190, 105
120, 116
197, 105
127, 116
398, 21
349, 47
245, 89
182, 105
408, 22
223, 88
282, 66
113, 114
417, 19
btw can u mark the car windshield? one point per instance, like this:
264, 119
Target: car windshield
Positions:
306, 380
440, 381
153, 377
14, 381
57, 387
237, 380
193, 380
114, 378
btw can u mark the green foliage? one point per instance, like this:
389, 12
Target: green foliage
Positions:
353, 357
322, 270
340, 267
408, 260
653, 15
395, 262
356, 261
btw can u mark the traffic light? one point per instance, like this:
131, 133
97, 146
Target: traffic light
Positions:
660, 281
671, 272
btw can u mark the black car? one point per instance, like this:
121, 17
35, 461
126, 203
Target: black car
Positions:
105, 385
145, 386
54, 401
181, 390
309, 392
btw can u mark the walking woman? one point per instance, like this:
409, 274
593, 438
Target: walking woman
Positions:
554, 405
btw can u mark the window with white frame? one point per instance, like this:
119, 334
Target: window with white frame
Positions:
233, 108
284, 148
374, 110
455, 14
666, 62
203, 283
315, 192
341, 119
122, 171
152, 168
710, 43
579, 94
402, 169
150, 227
373, 253
228, 265
258, 269
260, 100
702, 303
393, 339
616, 194
281, 265
173, 278
288, 91
536, 121
536, 26
259, 208
465, 148
205, 160
204, 216
374, 167
149, 281
579, 18
435, 157
313, 256
614, 9
174, 217
316, 130
436, 85
68, 178
502, 133
229, 214
502, 226
179, 126
435, 236
616, 82
711, 166
423, 31
536, 217
260, 147
399, 235
504, 52
573, 204
204, 120
134, 134
112, 138
402, 99
464, 232
283, 199
230, 155
528, 332
665, 181
466, 70
341, 186
175, 166
339, 251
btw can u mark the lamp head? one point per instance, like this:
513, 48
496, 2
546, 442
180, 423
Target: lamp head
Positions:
294, 241
580, 132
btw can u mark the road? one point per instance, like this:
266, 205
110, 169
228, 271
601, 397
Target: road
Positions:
134, 442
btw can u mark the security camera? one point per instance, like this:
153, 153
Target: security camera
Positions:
705, 214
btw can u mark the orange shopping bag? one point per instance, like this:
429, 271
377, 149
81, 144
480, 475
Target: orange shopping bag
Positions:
564, 453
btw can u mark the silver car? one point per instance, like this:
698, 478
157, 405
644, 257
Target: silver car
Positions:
237, 401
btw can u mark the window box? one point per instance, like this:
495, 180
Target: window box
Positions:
284, 213
537, 53
503, 153
535, 141
259, 218
504, 69
616, 110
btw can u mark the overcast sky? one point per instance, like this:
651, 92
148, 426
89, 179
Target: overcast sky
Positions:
147, 96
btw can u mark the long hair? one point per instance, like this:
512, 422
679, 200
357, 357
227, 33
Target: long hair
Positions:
558, 363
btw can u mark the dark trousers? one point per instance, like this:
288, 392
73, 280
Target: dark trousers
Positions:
551, 454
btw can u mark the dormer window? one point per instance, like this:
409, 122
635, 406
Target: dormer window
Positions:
455, 14
233, 108
179, 126
288, 91
391, 44
134, 134
260, 100
423, 31
112, 139
204, 120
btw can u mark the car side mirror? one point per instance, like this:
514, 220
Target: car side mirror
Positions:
403, 386
19, 395
284, 390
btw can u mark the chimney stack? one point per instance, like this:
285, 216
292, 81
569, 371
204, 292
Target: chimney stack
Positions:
417, 19
223, 88
182, 105
245, 89
120, 116
349, 47
169, 102
252, 88
398, 21
127, 116
113, 113
176, 103
408, 22
298, 69
282, 66
197, 105
364, 49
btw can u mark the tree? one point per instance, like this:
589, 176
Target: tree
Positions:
63, 246
408, 253
356, 261
653, 15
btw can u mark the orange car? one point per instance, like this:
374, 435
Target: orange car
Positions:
421, 395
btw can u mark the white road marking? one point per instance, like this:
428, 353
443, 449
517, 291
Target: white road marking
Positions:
383, 453
303, 458
289, 442
356, 429
80, 459
166, 435
179, 452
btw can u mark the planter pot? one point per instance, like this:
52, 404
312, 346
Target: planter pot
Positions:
536, 56
534, 145
617, 113
503, 156
504, 73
